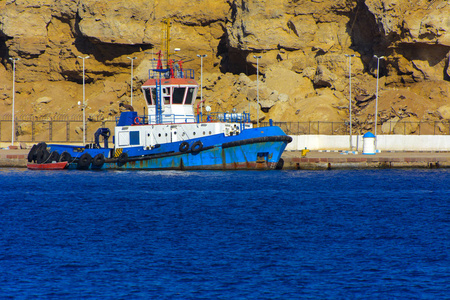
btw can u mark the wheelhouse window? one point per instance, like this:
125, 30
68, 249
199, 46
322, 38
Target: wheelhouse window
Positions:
148, 96
190, 95
154, 96
178, 95
166, 95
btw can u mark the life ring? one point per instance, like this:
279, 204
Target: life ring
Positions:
65, 156
123, 158
197, 146
84, 161
184, 146
137, 121
98, 160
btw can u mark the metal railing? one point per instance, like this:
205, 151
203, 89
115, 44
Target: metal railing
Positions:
63, 128
441, 127
59, 128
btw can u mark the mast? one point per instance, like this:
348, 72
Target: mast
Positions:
167, 23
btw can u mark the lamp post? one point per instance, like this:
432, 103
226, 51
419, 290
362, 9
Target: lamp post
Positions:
376, 98
257, 87
350, 96
201, 80
13, 98
84, 102
131, 80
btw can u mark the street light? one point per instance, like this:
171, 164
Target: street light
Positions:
84, 102
376, 98
350, 97
201, 80
257, 87
132, 59
13, 97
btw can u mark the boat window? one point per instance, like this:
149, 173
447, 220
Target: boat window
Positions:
148, 96
165, 94
190, 95
178, 95
134, 138
124, 138
153, 95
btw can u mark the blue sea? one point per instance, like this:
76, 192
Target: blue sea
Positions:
339, 234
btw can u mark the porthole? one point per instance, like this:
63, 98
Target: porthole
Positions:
194, 133
159, 134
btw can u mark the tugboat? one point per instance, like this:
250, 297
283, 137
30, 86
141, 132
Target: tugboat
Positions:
171, 135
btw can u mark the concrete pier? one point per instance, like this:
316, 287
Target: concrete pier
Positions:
13, 158
323, 160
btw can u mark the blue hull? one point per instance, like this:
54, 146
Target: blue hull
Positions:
77, 151
257, 148
217, 158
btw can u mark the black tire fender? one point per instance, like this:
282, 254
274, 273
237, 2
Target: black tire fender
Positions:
98, 160
54, 156
42, 156
184, 146
84, 161
65, 156
197, 146
123, 158
32, 153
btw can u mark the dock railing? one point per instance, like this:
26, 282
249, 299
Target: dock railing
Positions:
441, 127
69, 128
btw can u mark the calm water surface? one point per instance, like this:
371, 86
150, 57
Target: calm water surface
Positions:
363, 234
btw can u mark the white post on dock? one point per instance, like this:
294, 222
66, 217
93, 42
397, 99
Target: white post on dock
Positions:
350, 97
376, 98
257, 87
201, 81
84, 102
13, 99
131, 80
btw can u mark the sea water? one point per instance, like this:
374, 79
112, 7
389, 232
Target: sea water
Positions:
354, 234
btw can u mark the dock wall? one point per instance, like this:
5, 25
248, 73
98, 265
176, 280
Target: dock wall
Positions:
384, 142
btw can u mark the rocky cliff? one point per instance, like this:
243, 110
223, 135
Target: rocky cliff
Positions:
304, 73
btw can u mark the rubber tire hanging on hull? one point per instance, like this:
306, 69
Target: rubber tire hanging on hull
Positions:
98, 160
65, 156
184, 146
42, 156
122, 159
197, 146
32, 153
54, 156
84, 161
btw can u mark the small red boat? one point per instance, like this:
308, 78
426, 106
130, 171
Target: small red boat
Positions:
51, 166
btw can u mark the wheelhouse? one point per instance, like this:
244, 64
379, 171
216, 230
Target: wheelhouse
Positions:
177, 92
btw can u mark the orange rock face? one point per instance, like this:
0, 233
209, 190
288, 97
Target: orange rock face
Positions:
304, 73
